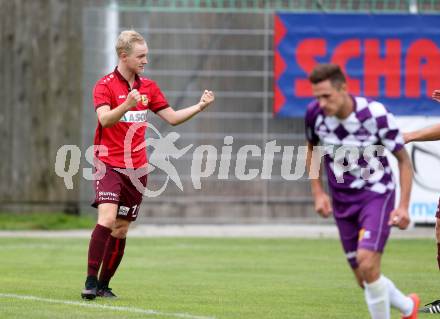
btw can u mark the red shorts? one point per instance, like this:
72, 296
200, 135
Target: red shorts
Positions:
115, 187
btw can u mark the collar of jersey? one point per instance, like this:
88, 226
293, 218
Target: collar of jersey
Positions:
137, 79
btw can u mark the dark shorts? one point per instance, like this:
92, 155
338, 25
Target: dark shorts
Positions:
437, 213
367, 228
115, 187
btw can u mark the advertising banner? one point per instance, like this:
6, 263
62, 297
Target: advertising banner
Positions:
394, 59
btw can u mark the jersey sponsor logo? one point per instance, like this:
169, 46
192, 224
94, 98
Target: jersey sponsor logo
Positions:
144, 100
122, 96
134, 117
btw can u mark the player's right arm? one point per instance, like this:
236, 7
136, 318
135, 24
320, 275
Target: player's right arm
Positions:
108, 117
321, 199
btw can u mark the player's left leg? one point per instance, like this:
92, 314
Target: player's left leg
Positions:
112, 257
375, 286
379, 290
437, 232
434, 307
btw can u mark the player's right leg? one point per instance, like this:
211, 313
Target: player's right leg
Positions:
108, 192
112, 257
349, 233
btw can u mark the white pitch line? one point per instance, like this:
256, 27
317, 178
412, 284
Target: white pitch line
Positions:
106, 307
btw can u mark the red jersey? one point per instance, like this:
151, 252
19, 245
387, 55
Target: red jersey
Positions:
112, 90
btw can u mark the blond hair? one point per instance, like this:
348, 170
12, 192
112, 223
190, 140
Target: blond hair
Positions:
125, 41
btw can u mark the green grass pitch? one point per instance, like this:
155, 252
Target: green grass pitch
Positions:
202, 278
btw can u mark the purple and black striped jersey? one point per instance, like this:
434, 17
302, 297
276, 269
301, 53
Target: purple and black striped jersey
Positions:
355, 168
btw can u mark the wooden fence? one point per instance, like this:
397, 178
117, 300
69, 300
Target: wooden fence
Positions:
41, 94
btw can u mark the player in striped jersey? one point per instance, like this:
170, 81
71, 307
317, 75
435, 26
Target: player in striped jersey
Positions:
353, 133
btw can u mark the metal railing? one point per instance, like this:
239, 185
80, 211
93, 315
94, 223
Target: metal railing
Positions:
255, 6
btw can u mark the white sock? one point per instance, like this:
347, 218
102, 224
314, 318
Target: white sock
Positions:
398, 300
378, 299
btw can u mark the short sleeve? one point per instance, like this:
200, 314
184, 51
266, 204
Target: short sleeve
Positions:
158, 100
101, 95
389, 133
310, 120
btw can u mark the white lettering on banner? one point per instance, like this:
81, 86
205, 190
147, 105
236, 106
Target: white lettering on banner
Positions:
134, 116
424, 210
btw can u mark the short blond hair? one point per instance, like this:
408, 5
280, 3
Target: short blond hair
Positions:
125, 41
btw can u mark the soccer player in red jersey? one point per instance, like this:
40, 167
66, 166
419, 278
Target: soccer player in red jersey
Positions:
431, 133
122, 99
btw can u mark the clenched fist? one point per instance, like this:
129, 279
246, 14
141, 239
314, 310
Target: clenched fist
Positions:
206, 99
436, 95
133, 98
400, 218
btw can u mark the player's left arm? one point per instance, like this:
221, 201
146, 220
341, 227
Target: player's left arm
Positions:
400, 216
177, 117
431, 133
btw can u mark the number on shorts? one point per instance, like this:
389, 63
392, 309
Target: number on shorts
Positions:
135, 211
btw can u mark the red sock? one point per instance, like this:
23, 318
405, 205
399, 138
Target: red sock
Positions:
96, 248
112, 258
438, 255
